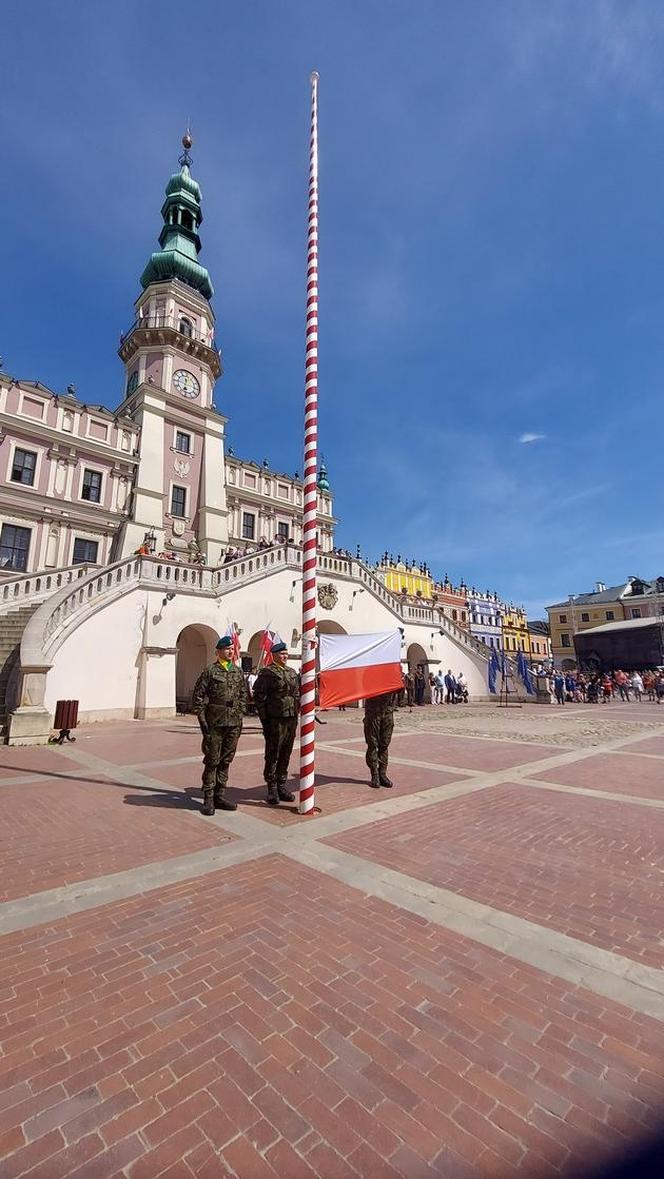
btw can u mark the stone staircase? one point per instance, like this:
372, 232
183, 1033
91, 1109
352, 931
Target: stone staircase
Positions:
12, 625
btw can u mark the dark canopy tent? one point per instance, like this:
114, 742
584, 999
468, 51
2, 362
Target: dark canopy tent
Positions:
633, 645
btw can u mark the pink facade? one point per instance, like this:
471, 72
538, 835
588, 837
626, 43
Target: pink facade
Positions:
66, 471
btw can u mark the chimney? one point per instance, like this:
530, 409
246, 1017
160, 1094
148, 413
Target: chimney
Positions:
600, 587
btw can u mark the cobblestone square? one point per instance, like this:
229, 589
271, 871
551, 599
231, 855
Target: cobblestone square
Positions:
459, 976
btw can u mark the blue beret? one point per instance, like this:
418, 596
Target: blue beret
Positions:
279, 647
224, 642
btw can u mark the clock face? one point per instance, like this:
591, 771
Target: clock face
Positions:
186, 383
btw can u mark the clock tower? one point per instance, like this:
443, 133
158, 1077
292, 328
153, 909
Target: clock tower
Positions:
171, 366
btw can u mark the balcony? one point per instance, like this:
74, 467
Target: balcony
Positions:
156, 330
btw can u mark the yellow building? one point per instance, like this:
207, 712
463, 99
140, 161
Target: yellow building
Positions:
414, 580
516, 636
582, 611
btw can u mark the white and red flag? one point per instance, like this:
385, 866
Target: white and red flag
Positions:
268, 639
232, 632
354, 667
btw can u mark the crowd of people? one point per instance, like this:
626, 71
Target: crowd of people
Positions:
601, 688
443, 689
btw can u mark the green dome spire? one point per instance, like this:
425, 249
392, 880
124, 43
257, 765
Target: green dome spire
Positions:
179, 240
323, 482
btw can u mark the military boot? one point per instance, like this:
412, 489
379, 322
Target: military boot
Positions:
384, 780
272, 794
284, 794
222, 803
375, 779
208, 805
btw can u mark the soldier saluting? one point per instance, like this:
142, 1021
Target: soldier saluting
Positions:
220, 701
277, 700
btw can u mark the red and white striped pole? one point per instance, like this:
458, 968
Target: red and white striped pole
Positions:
308, 684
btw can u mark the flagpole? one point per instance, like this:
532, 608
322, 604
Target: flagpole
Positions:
308, 678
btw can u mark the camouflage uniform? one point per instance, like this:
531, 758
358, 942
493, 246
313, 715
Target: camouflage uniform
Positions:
220, 701
378, 727
277, 700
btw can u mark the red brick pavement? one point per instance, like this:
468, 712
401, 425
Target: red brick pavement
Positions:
341, 782
471, 753
54, 831
39, 759
274, 1022
588, 868
649, 745
629, 774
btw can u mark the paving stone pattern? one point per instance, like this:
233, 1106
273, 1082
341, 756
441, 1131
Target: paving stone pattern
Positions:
167, 1010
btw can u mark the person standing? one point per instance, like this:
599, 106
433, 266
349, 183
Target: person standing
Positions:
378, 729
220, 701
450, 687
420, 686
559, 687
277, 700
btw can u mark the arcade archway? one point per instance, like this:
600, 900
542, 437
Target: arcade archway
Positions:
195, 650
416, 657
327, 626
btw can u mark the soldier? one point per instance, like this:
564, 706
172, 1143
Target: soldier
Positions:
378, 727
220, 701
277, 700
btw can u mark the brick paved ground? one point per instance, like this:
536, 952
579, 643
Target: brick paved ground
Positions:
458, 977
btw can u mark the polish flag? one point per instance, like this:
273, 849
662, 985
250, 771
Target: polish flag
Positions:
354, 667
268, 640
232, 632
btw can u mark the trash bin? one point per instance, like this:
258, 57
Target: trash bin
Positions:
66, 719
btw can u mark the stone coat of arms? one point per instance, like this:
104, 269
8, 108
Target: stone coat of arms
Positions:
328, 596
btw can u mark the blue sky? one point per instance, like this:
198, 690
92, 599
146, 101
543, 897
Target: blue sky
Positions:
492, 252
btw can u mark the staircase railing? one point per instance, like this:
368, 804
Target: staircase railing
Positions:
24, 589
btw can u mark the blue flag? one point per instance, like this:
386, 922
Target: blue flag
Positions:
494, 668
525, 673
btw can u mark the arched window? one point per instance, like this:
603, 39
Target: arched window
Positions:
185, 326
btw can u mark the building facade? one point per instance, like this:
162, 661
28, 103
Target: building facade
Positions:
485, 613
453, 602
265, 506
634, 599
516, 636
407, 578
540, 643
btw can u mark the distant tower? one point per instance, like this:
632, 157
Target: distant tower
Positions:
171, 366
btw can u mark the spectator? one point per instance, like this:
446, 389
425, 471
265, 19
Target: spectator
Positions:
450, 687
559, 687
636, 683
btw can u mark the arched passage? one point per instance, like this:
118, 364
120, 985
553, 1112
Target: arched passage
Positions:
327, 626
196, 649
416, 657
254, 648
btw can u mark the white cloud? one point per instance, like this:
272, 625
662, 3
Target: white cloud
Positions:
531, 438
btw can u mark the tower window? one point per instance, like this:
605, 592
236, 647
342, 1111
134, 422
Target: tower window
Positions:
185, 326
91, 489
23, 467
85, 551
178, 501
14, 548
183, 442
186, 219
282, 531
